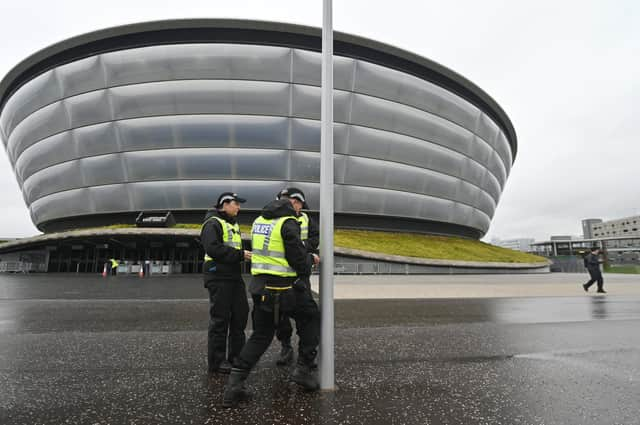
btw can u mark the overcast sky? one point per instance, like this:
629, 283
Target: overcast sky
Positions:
567, 73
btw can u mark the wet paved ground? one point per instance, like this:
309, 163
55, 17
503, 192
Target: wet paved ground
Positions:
125, 350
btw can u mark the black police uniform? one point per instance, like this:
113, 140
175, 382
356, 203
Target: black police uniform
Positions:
305, 311
285, 331
228, 305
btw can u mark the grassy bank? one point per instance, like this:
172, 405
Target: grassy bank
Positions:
622, 269
410, 245
427, 246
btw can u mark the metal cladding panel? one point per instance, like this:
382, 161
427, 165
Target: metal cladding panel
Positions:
489, 131
155, 133
307, 70
81, 76
50, 151
385, 83
305, 134
382, 114
63, 204
370, 143
193, 131
114, 197
95, 140
306, 103
202, 194
503, 144
47, 182
201, 97
169, 127
488, 181
305, 166
159, 165
102, 170
32, 96
197, 62
395, 203
45, 122
89, 108
496, 167
486, 129
53, 179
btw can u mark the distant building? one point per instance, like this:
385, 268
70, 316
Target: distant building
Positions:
163, 116
619, 249
628, 226
587, 227
521, 244
563, 238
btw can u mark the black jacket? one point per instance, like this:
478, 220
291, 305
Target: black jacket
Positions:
226, 264
593, 263
294, 250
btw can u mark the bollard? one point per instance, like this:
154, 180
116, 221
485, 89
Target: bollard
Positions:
141, 273
104, 271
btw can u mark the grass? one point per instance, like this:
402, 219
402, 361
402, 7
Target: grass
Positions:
427, 246
408, 245
112, 226
622, 269
188, 226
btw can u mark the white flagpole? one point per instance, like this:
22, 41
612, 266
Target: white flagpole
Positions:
327, 354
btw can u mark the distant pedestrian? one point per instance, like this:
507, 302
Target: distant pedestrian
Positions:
592, 263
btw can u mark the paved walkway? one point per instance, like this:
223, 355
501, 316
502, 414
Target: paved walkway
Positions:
124, 350
476, 286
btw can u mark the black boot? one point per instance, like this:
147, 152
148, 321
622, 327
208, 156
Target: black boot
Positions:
225, 367
235, 390
305, 376
286, 355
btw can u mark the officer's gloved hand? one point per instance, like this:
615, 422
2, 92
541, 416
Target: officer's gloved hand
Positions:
299, 285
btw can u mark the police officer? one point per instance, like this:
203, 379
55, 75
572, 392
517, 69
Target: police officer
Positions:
310, 235
279, 257
114, 266
228, 306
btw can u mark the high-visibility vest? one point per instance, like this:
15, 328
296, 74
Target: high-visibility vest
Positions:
267, 247
303, 219
230, 235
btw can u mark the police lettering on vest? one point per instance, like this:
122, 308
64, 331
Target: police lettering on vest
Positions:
268, 248
230, 235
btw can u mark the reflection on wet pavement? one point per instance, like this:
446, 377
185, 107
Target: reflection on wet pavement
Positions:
81, 351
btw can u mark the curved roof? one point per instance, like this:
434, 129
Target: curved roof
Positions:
251, 32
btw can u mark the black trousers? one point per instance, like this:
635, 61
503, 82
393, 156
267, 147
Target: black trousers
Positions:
596, 275
307, 317
285, 330
228, 312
